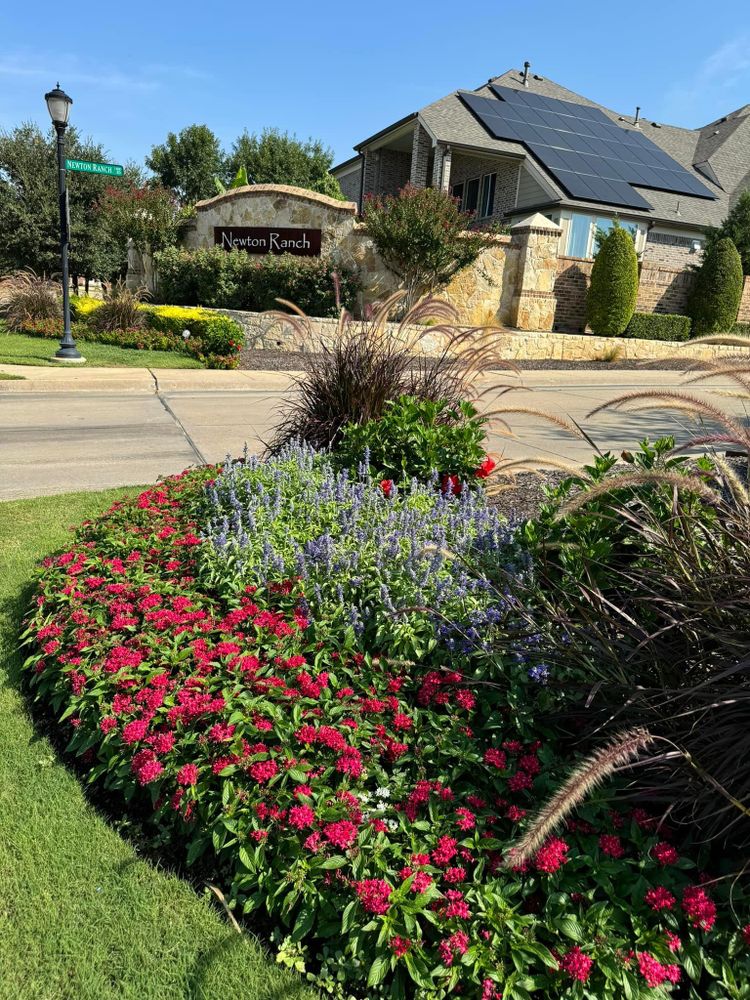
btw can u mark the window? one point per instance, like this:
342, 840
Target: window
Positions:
488, 195
472, 195
604, 226
579, 233
458, 194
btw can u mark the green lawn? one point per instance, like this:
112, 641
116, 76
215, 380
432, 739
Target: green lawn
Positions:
82, 917
4, 375
18, 349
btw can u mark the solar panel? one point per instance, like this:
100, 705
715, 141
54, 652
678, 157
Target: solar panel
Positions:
589, 154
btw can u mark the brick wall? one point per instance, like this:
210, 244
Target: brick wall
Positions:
463, 168
661, 290
350, 185
420, 156
674, 251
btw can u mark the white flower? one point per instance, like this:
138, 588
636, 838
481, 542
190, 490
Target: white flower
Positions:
186, 334
392, 824
383, 793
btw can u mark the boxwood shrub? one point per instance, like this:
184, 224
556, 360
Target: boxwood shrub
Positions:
613, 291
236, 280
658, 326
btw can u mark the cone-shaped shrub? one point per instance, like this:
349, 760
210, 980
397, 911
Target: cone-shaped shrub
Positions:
612, 295
715, 298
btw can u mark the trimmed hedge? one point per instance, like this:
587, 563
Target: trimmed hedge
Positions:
612, 295
658, 326
717, 291
214, 340
236, 280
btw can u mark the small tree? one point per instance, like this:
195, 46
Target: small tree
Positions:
148, 215
423, 238
737, 227
187, 163
613, 291
717, 291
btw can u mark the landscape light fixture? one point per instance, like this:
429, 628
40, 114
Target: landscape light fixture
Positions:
58, 105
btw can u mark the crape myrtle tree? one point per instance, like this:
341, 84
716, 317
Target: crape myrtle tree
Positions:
276, 157
146, 213
423, 237
737, 227
188, 162
29, 207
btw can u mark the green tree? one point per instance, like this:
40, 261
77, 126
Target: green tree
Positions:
187, 163
29, 207
717, 291
737, 227
613, 291
423, 238
276, 157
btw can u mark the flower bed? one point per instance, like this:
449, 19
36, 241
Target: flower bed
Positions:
365, 804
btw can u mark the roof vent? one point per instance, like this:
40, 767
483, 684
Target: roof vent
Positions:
655, 125
637, 118
526, 68
537, 77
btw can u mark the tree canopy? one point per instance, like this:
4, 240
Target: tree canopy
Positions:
187, 163
737, 227
29, 207
276, 157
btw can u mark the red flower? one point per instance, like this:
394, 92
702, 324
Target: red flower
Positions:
374, 895
576, 964
665, 854
551, 856
341, 834
485, 468
659, 898
187, 775
611, 845
652, 971
496, 757
399, 946
451, 485
387, 486
746, 934
699, 907
301, 816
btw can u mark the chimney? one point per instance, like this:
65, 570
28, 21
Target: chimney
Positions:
637, 118
526, 68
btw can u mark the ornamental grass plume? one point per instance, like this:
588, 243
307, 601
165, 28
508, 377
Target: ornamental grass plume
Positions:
589, 774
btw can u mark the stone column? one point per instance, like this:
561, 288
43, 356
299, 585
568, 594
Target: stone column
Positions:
536, 241
420, 154
441, 167
445, 183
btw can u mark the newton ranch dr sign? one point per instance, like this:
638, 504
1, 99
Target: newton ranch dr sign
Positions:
266, 239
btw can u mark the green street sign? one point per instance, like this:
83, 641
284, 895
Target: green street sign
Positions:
87, 167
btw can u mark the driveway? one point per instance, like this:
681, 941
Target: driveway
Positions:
85, 439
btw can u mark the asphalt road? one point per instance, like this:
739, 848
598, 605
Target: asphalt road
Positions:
55, 442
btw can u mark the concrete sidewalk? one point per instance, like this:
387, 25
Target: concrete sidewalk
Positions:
72, 379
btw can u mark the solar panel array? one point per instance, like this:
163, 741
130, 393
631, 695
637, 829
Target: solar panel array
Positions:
589, 154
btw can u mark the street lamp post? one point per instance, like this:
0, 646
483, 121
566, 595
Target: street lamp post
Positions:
58, 105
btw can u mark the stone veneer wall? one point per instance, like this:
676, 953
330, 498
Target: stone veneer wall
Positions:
263, 332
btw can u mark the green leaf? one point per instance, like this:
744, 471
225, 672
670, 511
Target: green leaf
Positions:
378, 970
337, 861
570, 927
304, 923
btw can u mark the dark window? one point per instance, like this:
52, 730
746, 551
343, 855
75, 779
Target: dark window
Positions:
458, 194
488, 195
472, 195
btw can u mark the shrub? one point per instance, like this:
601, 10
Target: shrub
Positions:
423, 238
148, 215
369, 365
717, 291
213, 339
736, 226
417, 438
26, 300
612, 294
362, 804
81, 306
120, 310
658, 326
236, 280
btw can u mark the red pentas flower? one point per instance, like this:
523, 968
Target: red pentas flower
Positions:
659, 898
699, 907
374, 895
551, 856
187, 775
611, 845
341, 834
301, 817
399, 946
664, 853
576, 964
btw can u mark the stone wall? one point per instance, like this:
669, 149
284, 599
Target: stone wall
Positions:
261, 331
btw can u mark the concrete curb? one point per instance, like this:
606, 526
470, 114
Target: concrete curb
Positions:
139, 380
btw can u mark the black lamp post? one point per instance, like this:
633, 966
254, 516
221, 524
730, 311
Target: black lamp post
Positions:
58, 105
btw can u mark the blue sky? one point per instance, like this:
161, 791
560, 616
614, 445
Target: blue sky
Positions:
341, 71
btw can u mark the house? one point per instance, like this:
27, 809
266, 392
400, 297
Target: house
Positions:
521, 144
